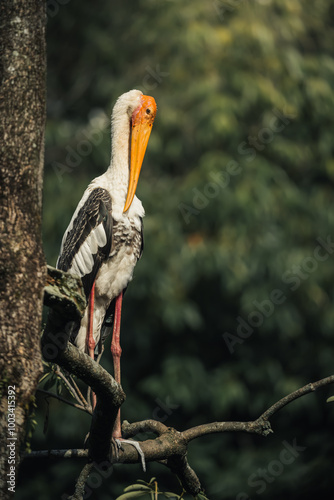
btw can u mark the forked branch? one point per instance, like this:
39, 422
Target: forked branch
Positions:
168, 446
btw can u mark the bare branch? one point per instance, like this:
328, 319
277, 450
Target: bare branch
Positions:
130, 430
171, 442
164, 446
295, 395
187, 476
256, 427
72, 453
109, 396
81, 482
261, 425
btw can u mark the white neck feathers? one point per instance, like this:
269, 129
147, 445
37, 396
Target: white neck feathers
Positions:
118, 171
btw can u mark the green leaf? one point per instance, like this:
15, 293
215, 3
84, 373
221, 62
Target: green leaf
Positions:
201, 496
329, 400
137, 487
141, 481
43, 377
132, 494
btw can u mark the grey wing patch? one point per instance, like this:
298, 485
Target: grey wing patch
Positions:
89, 241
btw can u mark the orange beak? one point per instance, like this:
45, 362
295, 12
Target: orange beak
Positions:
141, 126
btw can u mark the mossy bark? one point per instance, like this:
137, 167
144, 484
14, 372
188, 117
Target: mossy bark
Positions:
22, 265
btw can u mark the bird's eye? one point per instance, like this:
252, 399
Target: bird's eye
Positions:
148, 111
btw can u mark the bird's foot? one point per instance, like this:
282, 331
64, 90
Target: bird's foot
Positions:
118, 446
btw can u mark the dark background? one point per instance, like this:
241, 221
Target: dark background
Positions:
237, 184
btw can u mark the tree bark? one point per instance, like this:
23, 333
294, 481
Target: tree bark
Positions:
22, 265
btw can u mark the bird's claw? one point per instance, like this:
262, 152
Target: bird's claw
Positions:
116, 445
140, 452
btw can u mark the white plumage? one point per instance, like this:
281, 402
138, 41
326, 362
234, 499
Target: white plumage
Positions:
103, 243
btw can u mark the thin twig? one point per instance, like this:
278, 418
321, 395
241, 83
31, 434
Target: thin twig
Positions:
71, 453
261, 425
90, 396
68, 385
99, 356
295, 395
64, 400
81, 396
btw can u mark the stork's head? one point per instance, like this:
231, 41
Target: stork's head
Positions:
141, 110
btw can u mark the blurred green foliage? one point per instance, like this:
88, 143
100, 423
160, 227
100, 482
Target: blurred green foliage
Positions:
237, 184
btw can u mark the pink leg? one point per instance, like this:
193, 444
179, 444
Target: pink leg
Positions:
116, 356
90, 337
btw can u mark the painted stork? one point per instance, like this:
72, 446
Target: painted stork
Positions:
104, 239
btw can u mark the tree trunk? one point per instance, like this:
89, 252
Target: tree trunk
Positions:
22, 266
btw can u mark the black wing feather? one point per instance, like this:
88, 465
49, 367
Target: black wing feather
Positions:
95, 211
